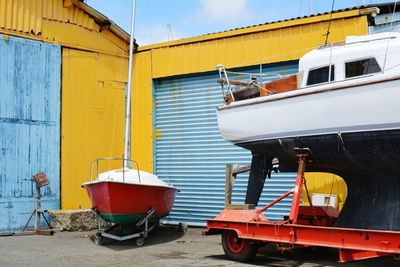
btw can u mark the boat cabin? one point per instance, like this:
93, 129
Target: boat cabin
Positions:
358, 57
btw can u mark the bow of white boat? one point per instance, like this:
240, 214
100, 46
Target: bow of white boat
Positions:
131, 176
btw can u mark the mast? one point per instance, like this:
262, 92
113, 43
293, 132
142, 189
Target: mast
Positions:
127, 139
310, 7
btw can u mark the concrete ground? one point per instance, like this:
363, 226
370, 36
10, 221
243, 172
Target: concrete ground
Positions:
165, 247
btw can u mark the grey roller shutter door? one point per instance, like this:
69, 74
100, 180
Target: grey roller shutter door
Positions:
191, 154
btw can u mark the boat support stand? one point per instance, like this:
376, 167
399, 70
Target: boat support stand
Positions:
139, 236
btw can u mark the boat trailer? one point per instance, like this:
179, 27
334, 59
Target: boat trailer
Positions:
139, 232
244, 229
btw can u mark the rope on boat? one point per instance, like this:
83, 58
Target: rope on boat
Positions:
390, 34
330, 23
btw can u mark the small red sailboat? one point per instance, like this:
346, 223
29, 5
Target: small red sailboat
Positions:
125, 196
130, 200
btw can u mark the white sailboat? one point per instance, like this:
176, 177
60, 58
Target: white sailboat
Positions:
343, 105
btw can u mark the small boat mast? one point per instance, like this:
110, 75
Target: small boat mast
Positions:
127, 139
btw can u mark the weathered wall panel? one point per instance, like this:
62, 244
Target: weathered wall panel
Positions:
27, 15
21, 15
93, 117
142, 112
29, 127
66, 34
93, 92
59, 21
56, 10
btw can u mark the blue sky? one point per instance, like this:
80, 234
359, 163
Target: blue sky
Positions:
163, 20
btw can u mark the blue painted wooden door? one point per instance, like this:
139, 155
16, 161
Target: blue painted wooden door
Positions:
29, 127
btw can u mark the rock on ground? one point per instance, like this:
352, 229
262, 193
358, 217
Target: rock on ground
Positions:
73, 220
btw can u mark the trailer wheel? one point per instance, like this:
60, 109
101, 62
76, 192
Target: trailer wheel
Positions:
236, 248
98, 239
139, 241
183, 227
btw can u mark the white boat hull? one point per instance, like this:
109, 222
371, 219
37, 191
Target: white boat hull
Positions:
361, 108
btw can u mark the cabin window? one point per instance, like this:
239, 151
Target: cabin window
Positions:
320, 75
362, 67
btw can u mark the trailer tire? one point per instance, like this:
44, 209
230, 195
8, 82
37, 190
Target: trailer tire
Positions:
98, 239
236, 248
320, 250
139, 241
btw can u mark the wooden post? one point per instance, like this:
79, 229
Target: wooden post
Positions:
231, 172
228, 184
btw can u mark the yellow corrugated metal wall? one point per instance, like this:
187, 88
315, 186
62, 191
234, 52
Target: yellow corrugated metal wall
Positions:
65, 11
142, 112
277, 42
71, 35
93, 117
58, 21
21, 15
93, 93
26, 15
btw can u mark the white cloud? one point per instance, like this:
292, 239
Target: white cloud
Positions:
225, 14
222, 11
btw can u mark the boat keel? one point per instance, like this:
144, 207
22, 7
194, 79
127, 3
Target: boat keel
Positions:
369, 162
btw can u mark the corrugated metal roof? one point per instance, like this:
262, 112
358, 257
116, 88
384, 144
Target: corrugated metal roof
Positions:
102, 20
233, 31
289, 19
26, 16
64, 12
13, 16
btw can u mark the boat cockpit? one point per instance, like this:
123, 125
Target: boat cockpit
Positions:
358, 59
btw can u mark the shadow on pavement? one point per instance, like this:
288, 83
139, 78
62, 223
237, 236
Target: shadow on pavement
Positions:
160, 235
269, 256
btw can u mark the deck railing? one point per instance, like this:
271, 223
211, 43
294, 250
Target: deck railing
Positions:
95, 163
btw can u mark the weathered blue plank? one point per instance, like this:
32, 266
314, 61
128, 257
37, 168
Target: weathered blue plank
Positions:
30, 83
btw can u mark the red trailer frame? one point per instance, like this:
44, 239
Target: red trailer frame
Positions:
243, 230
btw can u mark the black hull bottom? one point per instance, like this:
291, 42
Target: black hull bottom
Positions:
369, 162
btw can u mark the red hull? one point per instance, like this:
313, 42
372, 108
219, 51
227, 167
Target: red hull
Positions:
128, 199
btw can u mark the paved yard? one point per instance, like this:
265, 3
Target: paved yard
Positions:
166, 247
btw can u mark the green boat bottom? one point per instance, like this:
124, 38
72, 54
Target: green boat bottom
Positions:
128, 219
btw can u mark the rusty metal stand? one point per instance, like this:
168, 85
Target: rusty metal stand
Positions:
139, 235
304, 155
40, 181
